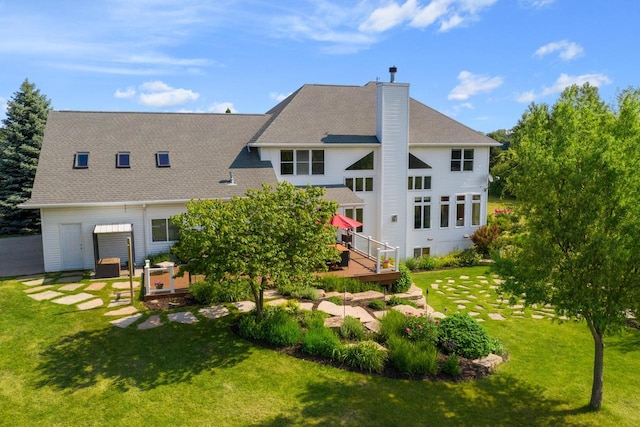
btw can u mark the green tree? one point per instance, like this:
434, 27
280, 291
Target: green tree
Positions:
500, 162
578, 187
271, 236
20, 142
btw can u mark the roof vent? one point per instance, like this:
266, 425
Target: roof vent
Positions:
393, 70
232, 180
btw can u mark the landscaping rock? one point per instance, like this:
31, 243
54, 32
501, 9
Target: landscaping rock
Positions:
380, 314
214, 312
368, 295
331, 308
186, 317
489, 362
373, 326
126, 321
308, 306
244, 306
152, 322
276, 302
333, 322
407, 309
359, 313
344, 295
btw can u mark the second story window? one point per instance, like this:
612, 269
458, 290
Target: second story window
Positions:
419, 183
359, 184
123, 159
302, 162
462, 160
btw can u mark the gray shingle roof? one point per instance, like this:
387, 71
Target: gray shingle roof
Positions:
333, 114
203, 149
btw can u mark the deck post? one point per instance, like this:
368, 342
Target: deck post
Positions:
147, 279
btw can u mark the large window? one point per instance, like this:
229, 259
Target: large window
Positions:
301, 162
359, 184
163, 231
419, 183
422, 212
444, 211
461, 160
355, 213
475, 209
460, 208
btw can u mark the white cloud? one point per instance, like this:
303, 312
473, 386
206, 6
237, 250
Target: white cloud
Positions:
448, 13
567, 50
278, 96
472, 84
562, 83
460, 107
536, 4
128, 93
221, 107
157, 94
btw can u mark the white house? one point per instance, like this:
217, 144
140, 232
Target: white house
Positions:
414, 177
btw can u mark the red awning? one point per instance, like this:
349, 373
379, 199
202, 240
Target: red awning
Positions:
342, 221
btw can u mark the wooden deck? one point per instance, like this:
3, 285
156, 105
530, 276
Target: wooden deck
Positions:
364, 269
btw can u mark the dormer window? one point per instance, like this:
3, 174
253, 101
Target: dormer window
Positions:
162, 159
123, 159
81, 161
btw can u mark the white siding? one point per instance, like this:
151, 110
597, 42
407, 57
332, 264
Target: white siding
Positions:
159, 212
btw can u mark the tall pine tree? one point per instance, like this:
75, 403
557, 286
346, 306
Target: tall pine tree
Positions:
20, 141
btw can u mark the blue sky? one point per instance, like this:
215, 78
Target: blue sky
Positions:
479, 61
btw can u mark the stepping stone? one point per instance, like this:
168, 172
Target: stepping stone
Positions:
496, 316
537, 316
95, 286
271, 293
124, 285
422, 302
498, 281
516, 306
440, 292
90, 304
215, 312
244, 306
185, 317
484, 282
479, 320
331, 308
464, 277
360, 296
120, 295
438, 281
152, 322
479, 307
73, 299
37, 282
451, 281
359, 313
71, 287
463, 286
69, 279
473, 313
37, 289
380, 314
434, 286
481, 277
493, 287
461, 307
472, 296
45, 295
407, 309
373, 326
126, 321
333, 322
346, 296
119, 303
122, 312
308, 306
278, 301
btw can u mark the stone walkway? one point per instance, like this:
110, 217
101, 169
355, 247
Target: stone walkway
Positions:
475, 296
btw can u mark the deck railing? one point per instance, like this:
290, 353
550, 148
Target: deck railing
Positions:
376, 250
147, 279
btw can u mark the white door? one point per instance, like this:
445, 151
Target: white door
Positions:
71, 246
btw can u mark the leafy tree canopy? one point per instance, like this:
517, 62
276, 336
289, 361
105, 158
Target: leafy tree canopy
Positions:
20, 142
578, 185
270, 236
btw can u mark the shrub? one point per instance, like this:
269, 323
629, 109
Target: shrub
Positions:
364, 355
158, 258
313, 319
336, 300
339, 284
306, 292
279, 328
421, 328
484, 238
497, 347
231, 291
427, 262
404, 282
412, 358
201, 292
248, 326
392, 324
320, 341
352, 329
451, 366
468, 258
377, 304
462, 335
411, 263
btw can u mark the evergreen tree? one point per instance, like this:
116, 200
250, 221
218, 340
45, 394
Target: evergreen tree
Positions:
20, 142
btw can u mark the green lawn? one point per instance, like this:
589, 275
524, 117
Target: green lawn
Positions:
59, 366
